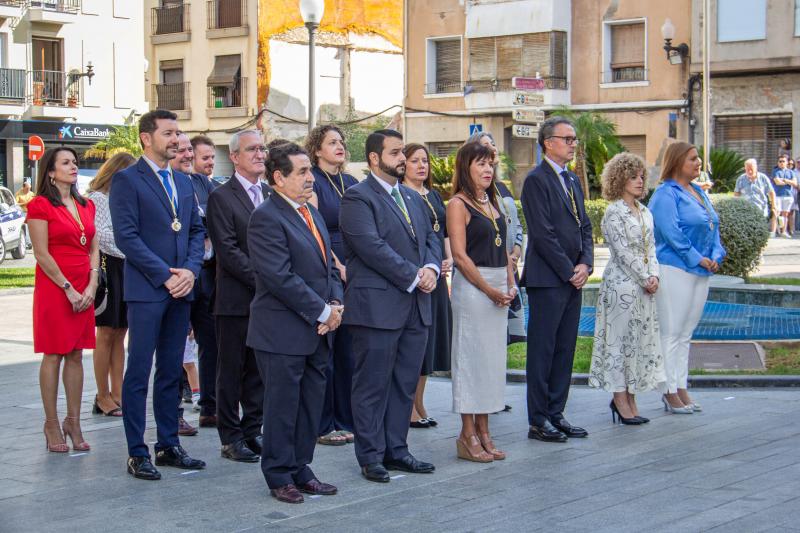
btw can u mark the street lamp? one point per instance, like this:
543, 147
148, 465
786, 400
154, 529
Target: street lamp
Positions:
311, 11
680, 52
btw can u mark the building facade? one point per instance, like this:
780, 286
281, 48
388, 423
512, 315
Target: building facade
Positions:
70, 70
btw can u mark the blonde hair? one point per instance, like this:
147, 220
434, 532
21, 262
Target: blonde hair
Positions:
102, 180
674, 158
618, 171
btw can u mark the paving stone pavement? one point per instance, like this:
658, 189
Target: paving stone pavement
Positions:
733, 467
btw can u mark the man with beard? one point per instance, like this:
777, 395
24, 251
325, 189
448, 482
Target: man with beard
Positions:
296, 306
238, 380
157, 226
392, 267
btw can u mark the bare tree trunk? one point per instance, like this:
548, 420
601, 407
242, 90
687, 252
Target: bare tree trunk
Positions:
580, 170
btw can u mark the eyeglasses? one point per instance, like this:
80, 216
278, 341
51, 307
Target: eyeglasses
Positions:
569, 140
254, 149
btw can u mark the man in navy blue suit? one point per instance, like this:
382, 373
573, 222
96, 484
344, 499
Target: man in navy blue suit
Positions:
557, 265
296, 305
393, 259
157, 226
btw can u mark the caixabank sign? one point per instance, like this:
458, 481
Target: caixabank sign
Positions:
77, 131
60, 132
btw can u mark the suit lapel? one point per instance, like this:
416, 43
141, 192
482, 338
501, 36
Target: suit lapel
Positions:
294, 218
241, 194
387, 198
557, 181
153, 181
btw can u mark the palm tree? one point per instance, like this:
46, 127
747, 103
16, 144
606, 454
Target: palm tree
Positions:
123, 139
598, 144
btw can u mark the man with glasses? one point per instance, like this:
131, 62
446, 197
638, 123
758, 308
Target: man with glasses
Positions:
558, 262
238, 380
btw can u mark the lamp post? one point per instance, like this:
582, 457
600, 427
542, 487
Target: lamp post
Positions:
311, 11
675, 54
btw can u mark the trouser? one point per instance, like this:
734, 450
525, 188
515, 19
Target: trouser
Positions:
337, 411
160, 328
204, 333
680, 300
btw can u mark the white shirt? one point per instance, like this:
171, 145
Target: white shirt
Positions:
247, 185
327, 311
558, 171
388, 188
156, 168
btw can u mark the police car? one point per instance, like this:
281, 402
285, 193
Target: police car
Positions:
12, 232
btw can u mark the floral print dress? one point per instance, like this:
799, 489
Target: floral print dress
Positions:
627, 352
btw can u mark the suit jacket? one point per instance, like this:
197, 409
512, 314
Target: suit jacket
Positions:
142, 217
293, 281
227, 215
556, 243
384, 256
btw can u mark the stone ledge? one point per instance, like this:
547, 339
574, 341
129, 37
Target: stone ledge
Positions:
702, 381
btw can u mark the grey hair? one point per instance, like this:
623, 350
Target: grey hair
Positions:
752, 162
548, 127
477, 137
233, 144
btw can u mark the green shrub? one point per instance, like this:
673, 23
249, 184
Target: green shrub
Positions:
744, 235
442, 171
726, 167
596, 209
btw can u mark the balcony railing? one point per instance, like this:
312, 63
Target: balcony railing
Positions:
171, 18
52, 87
225, 96
444, 87
625, 74
171, 96
226, 14
60, 6
486, 86
12, 3
12, 84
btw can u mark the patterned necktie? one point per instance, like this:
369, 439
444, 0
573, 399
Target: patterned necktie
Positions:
254, 194
164, 174
310, 223
571, 194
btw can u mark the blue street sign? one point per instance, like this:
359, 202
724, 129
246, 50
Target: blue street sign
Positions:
475, 128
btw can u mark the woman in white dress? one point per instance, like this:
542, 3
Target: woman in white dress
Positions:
627, 357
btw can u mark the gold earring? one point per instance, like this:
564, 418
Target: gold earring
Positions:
52, 181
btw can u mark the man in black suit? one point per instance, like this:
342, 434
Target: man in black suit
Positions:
392, 266
238, 380
297, 304
557, 265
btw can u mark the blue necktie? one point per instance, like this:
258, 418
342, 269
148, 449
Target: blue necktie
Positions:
168, 187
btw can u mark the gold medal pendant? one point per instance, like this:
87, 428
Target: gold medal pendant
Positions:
498, 241
83, 239
646, 260
436, 227
176, 225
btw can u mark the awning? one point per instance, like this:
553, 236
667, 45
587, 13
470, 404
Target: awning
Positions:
226, 70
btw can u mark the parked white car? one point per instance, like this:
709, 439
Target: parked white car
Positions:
12, 230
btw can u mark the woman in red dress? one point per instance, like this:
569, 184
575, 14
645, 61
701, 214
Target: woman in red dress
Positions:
61, 224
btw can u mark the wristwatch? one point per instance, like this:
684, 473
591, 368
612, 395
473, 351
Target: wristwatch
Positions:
66, 285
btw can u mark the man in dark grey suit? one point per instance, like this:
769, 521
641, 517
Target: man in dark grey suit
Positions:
558, 262
237, 380
297, 304
392, 266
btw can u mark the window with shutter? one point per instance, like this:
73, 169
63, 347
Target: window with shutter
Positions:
627, 52
558, 56
753, 136
444, 149
536, 57
635, 144
448, 65
509, 56
481, 59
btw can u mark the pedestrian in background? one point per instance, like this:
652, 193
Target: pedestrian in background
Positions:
783, 181
23, 197
112, 319
756, 188
627, 357
67, 270
689, 252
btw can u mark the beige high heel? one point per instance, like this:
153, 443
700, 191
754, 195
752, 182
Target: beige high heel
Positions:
81, 446
58, 447
488, 445
472, 450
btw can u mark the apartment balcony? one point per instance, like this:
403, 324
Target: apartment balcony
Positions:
170, 24
226, 101
52, 94
12, 91
51, 12
173, 97
499, 94
10, 9
226, 18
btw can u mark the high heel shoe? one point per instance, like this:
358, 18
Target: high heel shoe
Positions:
81, 446
58, 447
96, 409
472, 450
488, 445
632, 421
685, 410
696, 406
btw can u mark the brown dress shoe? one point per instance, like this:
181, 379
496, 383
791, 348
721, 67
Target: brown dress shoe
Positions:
185, 429
209, 421
316, 486
287, 494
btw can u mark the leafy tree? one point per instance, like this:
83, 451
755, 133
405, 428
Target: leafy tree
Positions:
442, 171
123, 139
726, 166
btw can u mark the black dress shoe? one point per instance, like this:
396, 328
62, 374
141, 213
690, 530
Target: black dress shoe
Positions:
176, 456
208, 421
409, 464
316, 486
546, 432
239, 451
375, 472
255, 444
287, 494
142, 468
422, 423
573, 432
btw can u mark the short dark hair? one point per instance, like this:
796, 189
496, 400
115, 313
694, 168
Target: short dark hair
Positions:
147, 122
375, 139
548, 127
783, 156
49, 190
277, 142
462, 181
202, 139
279, 158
